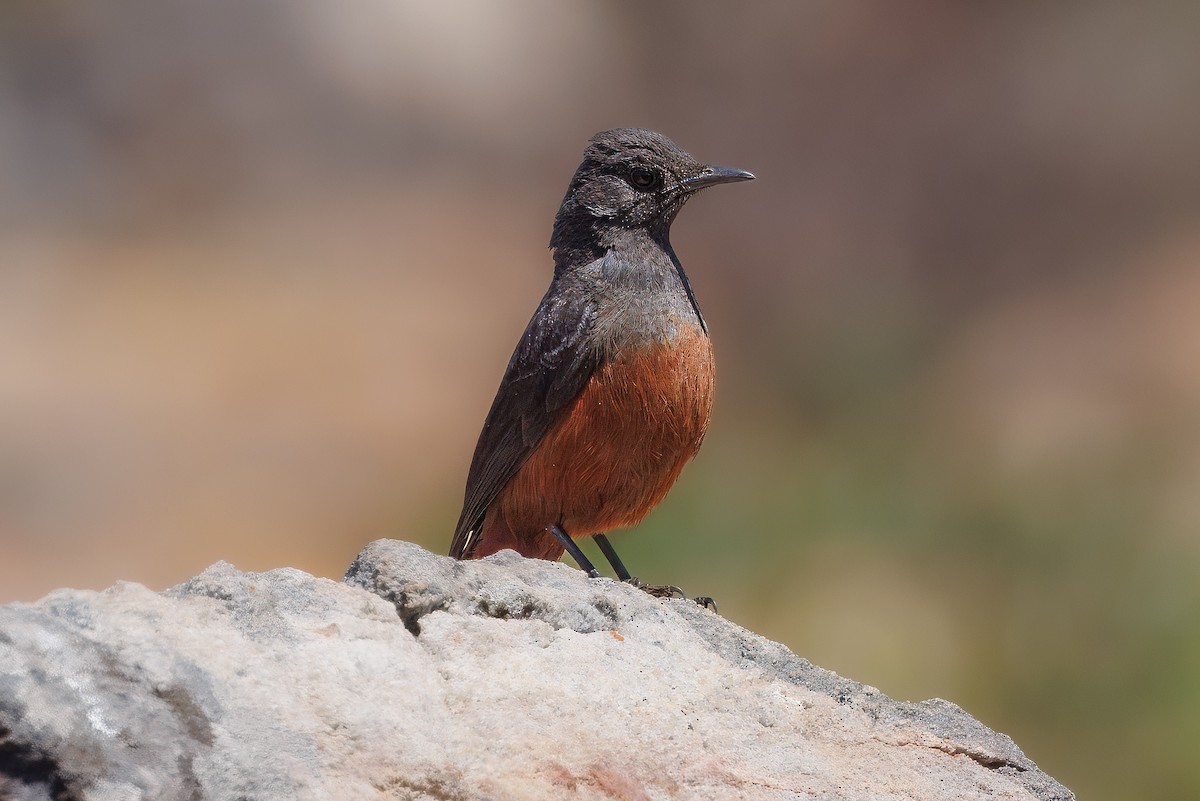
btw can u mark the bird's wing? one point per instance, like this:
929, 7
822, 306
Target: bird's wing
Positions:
548, 369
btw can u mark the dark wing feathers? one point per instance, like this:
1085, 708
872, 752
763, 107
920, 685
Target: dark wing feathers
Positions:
549, 367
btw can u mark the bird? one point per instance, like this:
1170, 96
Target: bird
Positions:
609, 391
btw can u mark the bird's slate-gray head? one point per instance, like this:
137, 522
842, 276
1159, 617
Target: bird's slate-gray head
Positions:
630, 178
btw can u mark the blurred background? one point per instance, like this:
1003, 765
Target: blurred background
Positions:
262, 265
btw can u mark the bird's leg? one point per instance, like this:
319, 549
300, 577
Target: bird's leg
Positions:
610, 554
565, 540
657, 590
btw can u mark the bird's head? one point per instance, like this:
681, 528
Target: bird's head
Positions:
631, 178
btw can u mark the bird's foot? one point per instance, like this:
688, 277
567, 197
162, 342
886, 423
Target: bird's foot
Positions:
657, 590
670, 591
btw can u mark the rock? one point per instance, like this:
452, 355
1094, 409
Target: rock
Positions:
421, 677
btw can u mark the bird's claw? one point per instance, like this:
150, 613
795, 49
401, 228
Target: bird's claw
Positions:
657, 590
670, 591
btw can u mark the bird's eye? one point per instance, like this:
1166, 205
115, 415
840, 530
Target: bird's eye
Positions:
644, 178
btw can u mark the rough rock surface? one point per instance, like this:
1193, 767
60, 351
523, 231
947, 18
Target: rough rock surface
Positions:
425, 678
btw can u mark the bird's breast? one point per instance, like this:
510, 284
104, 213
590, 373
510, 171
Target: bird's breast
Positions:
619, 446
660, 388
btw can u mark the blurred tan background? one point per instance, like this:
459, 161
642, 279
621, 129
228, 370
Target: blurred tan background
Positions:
262, 264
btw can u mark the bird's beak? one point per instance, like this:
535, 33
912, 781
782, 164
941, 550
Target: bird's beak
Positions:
710, 176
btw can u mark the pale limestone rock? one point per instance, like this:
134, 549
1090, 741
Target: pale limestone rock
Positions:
425, 678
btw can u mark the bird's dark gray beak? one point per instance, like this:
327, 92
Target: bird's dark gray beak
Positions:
710, 176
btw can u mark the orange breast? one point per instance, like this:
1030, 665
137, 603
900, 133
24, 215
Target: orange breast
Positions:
615, 452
